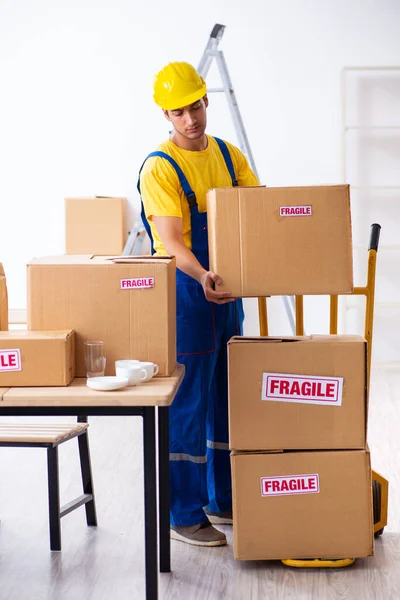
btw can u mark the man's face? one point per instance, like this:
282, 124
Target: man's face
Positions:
189, 121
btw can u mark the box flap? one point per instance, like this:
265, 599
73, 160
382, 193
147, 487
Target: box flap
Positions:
330, 339
238, 187
15, 336
264, 339
62, 259
337, 338
140, 259
80, 198
290, 187
91, 259
255, 452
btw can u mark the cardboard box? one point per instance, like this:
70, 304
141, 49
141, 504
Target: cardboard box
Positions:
302, 505
297, 393
129, 303
278, 241
36, 358
95, 225
3, 301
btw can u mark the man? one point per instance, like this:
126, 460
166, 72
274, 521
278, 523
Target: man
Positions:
173, 183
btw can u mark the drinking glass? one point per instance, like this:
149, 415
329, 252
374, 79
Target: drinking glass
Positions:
95, 360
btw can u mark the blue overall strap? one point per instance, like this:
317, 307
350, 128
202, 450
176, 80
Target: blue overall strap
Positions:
228, 160
187, 190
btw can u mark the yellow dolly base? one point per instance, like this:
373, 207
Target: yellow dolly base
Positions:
318, 563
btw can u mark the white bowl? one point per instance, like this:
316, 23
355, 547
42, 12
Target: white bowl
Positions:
107, 384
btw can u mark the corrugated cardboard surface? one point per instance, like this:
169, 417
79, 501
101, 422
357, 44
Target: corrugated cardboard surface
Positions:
256, 424
337, 522
47, 358
257, 252
95, 225
3, 301
84, 293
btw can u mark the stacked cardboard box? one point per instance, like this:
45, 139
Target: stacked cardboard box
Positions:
128, 303
37, 358
33, 358
96, 225
301, 472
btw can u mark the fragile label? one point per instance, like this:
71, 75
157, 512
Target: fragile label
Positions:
295, 211
304, 389
137, 283
290, 485
10, 360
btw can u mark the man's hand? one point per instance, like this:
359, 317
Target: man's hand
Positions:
208, 281
171, 233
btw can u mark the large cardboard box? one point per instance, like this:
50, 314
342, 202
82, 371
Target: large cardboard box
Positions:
36, 358
302, 505
3, 301
128, 303
297, 393
277, 241
97, 225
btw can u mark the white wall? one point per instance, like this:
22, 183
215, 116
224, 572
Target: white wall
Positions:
77, 115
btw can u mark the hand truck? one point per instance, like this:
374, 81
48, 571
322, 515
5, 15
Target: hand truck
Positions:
380, 485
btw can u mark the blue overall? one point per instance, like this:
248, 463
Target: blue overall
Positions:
199, 450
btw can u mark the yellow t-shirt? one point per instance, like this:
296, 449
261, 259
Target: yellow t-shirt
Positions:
162, 193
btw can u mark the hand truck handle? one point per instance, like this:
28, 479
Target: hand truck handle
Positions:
374, 237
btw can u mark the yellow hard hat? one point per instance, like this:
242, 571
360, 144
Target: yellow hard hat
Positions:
177, 85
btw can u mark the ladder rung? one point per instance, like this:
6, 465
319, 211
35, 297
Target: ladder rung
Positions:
213, 90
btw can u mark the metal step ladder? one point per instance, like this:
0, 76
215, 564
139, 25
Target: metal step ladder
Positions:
135, 240
212, 52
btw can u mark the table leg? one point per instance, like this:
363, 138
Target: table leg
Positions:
164, 489
54, 498
150, 502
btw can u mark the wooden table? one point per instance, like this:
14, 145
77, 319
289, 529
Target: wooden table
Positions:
141, 400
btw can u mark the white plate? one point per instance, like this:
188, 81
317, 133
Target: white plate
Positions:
107, 384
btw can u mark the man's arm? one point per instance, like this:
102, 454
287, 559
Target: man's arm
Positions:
170, 231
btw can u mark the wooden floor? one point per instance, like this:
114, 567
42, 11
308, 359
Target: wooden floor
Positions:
107, 562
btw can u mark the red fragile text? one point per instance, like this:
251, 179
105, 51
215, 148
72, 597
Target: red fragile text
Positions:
137, 283
292, 211
320, 389
302, 388
10, 360
292, 484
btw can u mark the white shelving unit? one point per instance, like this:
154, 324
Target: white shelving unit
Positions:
371, 165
